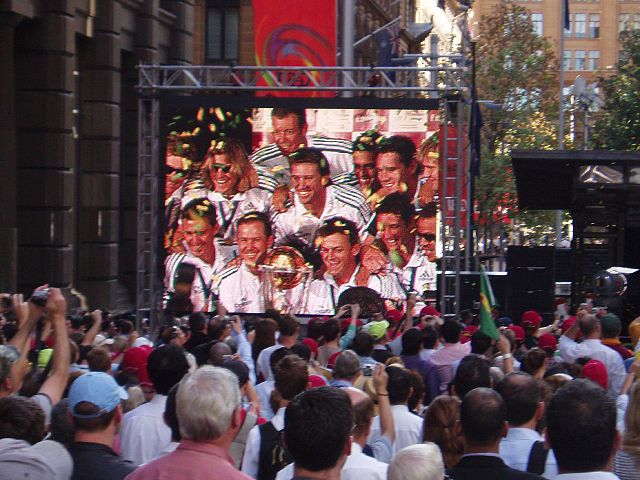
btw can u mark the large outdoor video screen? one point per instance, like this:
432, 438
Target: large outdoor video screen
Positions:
281, 206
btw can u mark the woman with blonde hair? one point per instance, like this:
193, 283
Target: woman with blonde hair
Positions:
438, 427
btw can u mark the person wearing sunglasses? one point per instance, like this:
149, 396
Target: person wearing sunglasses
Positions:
290, 134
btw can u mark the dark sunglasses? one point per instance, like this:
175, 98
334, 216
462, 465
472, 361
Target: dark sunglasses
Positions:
220, 166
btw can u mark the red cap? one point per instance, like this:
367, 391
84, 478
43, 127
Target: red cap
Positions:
468, 332
518, 331
595, 371
135, 361
317, 381
393, 316
428, 310
312, 344
548, 342
531, 318
345, 323
331, 362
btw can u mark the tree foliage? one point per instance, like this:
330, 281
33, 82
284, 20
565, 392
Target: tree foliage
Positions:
618, 125
517, 70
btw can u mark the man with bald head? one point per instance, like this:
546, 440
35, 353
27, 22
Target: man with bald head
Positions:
592, 347
483, 422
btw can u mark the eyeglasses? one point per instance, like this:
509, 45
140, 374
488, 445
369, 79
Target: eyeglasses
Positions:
429, 237
225, 167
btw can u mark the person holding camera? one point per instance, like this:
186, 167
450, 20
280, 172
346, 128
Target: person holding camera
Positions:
49, 305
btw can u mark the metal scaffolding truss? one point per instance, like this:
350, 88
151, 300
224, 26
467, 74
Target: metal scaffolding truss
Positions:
443, 78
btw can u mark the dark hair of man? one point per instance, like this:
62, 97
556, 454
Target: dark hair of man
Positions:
588, 325
299, 113
611, 326
277, 355
339, 225
482, 416
170, 416
197, 321
521, 394
291, 376
61, 426
363, 344
317, 426
399, 204
313, 156
450, 331
465, 315
21, 418
480, 342
166, 367
429, 210
289, 326
199, 208
302, 350
401, 145
99, 360
363, 412
91, 424
532, 360
429, 337
472, 372
581, 426
330, 330
411, 341
367, 141
399, 385
256, 217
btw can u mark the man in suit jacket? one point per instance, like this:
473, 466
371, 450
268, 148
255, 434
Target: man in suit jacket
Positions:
483, 415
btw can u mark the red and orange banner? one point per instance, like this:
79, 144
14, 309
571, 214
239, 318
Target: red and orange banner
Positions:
295, 33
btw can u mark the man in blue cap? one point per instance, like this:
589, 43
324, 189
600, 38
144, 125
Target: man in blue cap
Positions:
94, 405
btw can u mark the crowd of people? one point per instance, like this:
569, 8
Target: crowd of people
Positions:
417, 396
359, 213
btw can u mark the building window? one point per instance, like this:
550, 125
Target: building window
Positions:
567, 60
222, 31
628, 21
536, 19
567, 31
580, 25
579, 58
594, 25
593, 60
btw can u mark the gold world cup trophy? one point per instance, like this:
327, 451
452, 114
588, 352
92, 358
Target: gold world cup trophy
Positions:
286, 278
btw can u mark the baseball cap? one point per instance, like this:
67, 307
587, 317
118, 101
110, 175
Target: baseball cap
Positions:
548, 342
377, 329
394, 316
97, 388
531, 318
467, 333
518, 331
428, 310
347, 321
45, 460
595, 371
102, 341
135, 359
312, 344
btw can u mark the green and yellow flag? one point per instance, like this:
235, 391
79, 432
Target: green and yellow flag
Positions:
487, 300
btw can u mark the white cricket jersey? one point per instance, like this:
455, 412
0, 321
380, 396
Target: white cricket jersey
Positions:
341, 201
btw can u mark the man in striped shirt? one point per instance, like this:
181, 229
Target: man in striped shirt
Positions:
316, 199
339, 247
198, 226
290, 134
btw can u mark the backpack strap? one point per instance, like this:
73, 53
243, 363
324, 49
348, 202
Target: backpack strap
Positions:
537, 458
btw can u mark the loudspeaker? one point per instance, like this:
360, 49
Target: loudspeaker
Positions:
530, 281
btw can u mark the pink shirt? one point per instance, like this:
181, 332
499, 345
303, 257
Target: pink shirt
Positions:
444, 358
190, 461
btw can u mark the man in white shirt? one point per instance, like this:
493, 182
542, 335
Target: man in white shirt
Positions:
581, 429
419, 273
525, 408
289, 330
315, 200
290, 134
198, 226
408, 427
143, 433
339, 247
264, 455
592, 347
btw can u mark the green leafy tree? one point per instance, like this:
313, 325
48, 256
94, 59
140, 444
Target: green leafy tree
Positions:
618, 125
517, 72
